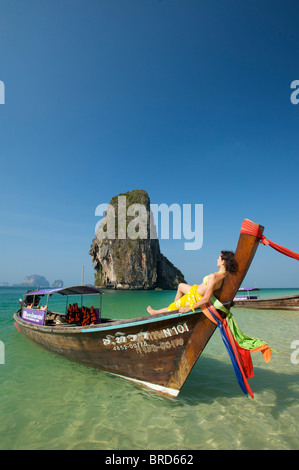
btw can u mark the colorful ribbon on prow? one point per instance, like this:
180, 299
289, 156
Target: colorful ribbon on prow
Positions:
238, 345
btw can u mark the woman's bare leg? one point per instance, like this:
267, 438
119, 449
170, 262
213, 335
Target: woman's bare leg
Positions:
182, 290
151, 311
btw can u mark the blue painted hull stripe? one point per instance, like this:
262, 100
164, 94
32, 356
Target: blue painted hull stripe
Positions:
137, 323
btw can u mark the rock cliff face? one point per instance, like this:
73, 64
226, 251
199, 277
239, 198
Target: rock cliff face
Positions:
132, 258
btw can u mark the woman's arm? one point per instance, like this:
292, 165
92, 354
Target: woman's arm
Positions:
208, 294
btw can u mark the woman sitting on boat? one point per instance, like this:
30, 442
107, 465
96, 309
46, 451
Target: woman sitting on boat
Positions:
193, 297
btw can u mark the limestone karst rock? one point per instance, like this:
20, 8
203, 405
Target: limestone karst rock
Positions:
122, 262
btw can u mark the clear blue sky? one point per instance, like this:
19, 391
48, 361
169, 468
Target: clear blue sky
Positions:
187, 99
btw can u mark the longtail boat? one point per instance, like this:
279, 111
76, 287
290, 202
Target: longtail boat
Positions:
156, 352
290, 302
246, 294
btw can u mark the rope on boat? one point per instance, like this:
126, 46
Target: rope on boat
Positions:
251, 228
280, 352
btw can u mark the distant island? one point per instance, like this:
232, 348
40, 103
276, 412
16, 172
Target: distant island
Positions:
36, 280
57, 284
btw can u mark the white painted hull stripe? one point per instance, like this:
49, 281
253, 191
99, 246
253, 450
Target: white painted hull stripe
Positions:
159, 388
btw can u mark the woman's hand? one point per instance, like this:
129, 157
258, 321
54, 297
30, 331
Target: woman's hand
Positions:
184, 309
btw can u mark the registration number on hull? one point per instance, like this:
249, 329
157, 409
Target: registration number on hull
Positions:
142, 340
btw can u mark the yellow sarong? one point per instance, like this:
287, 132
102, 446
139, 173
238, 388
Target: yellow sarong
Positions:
188, 300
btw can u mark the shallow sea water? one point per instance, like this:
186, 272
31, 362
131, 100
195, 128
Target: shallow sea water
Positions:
47, 402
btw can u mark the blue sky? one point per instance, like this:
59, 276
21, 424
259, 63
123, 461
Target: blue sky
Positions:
187, 99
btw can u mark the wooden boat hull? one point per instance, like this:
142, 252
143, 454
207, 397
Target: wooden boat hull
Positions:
158, 352
279, 303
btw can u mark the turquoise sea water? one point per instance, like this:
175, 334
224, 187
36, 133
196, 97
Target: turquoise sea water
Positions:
47, 402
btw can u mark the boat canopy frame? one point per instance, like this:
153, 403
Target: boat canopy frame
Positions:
67, 291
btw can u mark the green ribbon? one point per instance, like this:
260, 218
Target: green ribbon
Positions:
243, 340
